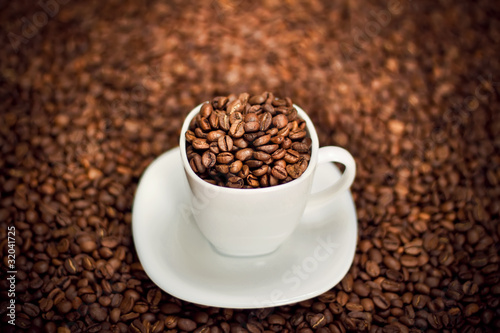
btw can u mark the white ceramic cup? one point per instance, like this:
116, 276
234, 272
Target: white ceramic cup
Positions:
251, 222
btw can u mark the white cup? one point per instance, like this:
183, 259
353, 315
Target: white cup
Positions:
251, 222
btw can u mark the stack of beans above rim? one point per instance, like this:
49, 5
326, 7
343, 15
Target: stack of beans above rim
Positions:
248, 141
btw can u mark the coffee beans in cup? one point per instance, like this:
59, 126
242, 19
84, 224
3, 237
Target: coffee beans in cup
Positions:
248, 141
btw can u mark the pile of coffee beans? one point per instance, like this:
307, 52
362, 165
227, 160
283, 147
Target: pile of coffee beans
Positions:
248, 141
91, 92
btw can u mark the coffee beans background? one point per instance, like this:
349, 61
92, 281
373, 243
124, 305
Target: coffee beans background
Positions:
91, 92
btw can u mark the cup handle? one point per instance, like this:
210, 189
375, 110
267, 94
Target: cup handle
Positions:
340, 155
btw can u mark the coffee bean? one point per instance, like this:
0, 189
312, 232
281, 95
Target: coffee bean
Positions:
237, 129
252, 126
225, 143
204, 124
186, 324
64, 306
98, 313
292, 156
244, 154
71, 266
279, 121
392, 263
317, 321
261, 156
361, 288
214, 136
213, 119
46, 305
277, 139
301, 147
268, 148
41, 267
372, 268
279, 172
235, 182
31, 309
234, 106
257, 99
244, 172
391, 285
381, 302
265, 121
278, 154
261, 171
225, 158
224, 123
254, 164
140, 307
127, 304
235, 117
200, 144
293, 171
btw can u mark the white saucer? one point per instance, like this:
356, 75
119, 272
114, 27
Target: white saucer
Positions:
180, 260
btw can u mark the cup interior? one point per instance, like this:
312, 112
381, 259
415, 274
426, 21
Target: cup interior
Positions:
308, 173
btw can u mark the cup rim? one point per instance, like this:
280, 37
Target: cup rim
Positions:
250, 191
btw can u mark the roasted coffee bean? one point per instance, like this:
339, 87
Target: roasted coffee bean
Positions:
284, 132
292, 156
244, 172
301, 147
186, 324
234, 106
196, 164
237, 129
244, 154
200, 144
235, 117
224, 123
252, 126
71, 266
280, 163
381, 302
206, 110
261, 140
225, 158
277, 139
204, 124
98, 313
251, 117
213, 119
253, 164
236, 166
213, 136
372, 268
279, 172
31, 309
279, 121
264, 180
252, 180
249, 137
278, 154
268, 148
261, 171
261, 156
208, 159
190, 136
265, 121
225, 143
235, 182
